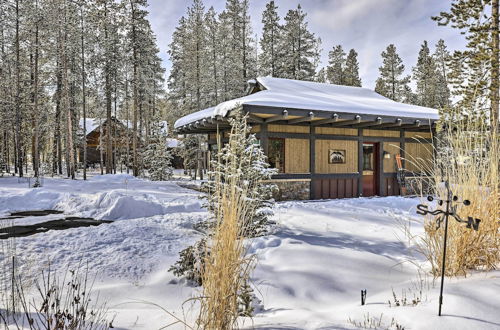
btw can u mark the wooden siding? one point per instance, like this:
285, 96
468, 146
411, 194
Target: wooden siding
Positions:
418, 156
255, 129
336, 131
296, 156
322, 154
381, 133
393, 148
418, 135
334, 188
288, 129
391, 186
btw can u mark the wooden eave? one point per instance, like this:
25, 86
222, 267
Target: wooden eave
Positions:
316, 118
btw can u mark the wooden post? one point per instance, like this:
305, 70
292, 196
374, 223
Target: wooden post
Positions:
264, 139
380, 167
360, 162
312, 159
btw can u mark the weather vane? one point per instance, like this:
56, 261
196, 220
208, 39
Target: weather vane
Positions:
452, 203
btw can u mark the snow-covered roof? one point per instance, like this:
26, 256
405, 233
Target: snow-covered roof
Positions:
93, 123
305, 95
172, 143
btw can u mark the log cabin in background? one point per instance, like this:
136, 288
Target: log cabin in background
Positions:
121, 133
327, 141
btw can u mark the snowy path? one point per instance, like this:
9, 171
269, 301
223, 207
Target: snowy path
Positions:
310, 271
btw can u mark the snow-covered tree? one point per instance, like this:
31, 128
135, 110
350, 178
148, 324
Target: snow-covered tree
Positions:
392, 83
441, 57
336, 66
270, 59
156, 156
475, 73
301, 47
351, 72
241, 160
425, 76
253, 170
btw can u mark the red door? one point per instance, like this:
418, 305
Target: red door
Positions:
370, 168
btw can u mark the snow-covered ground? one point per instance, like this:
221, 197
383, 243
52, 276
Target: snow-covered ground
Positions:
310, 270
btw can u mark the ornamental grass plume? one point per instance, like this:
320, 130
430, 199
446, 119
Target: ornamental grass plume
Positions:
466, 155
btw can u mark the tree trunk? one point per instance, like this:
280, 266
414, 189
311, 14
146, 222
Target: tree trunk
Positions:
109, 123
36, 151
134, 129
495, 85
19, 144
84, 100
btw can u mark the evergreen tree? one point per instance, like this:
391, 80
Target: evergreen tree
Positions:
270, 59
336, 66
254, 172
351, 74
301, 47
442, 57
321, 76
392, 83
157, 157
475, 75
212, 77
425, 76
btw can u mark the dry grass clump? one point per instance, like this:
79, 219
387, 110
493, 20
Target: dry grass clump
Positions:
467, 156
226, 267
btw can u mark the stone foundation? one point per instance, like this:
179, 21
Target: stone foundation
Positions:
291, 189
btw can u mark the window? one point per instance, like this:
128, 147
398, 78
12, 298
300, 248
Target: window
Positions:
276, 155
368, 157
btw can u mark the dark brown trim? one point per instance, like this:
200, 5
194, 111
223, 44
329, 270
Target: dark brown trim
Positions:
312, 157
360, 162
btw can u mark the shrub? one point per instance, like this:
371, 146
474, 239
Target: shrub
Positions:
468, 158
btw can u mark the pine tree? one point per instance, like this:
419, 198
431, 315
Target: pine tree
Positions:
321, 76
301, 47
244, 158
475, 71
212, 77
425, 76
157, 157
270, 59
336, 66
254, 172
392, 83
442, 57
351, 74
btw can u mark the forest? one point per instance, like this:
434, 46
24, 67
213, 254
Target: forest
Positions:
63, 61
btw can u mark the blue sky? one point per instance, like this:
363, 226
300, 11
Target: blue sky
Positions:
365, 25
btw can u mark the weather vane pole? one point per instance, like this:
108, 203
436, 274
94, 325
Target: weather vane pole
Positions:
444, 215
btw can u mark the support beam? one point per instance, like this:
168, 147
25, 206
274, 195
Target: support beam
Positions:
415, 125
376, 122
334, 119
397, 123
380, 173
264, 139
312, 159
356, 120
254, 119
310, 117
283, 116
360, 162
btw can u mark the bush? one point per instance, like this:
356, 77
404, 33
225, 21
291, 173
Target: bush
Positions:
467, 157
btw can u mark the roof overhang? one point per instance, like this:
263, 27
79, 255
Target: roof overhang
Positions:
318, 118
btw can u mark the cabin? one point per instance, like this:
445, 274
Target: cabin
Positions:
93, 129
122, 132
327, 141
